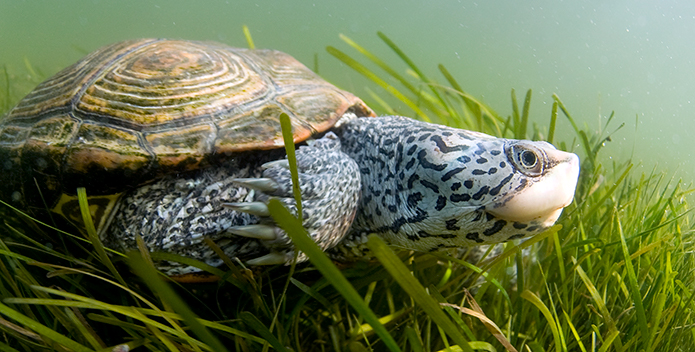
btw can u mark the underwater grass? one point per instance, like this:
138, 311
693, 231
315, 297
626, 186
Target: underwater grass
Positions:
618, 274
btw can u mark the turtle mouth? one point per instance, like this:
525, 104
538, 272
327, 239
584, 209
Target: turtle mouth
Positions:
544, 199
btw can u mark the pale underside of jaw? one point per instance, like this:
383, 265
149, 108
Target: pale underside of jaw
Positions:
544, 200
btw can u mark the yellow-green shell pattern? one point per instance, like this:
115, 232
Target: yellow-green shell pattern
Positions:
134, 111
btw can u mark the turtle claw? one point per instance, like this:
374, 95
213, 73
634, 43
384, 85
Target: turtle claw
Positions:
253, 208
283, 163
272, 258
262, 184
261, 232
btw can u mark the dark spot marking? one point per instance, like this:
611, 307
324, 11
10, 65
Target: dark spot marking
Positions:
479, 172
493, 170
514, 237
445, 148
410, 164
460, 197
496, 227
412, 149
489, 216
446, 133
522, 184
396, 225
519, 225
424, 136
410, 139
413, 237
438, 247
474, 236
451, 225
430, 185
495, 152
392, 208
463, 159
414, 198
481, 160
503, 164
482, 192
532, 228
441, 203
468, 184
451, 173
455, 186
428, 165
412, 179
464, 135
497, 188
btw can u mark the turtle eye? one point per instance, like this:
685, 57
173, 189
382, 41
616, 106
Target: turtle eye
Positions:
527, 158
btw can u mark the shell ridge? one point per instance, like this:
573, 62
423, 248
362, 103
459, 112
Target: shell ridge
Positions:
69, 144
106, 68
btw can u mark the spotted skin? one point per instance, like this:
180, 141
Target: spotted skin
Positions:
177, 212
419, 186
428, 187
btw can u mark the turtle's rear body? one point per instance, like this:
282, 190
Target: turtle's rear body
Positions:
176, 141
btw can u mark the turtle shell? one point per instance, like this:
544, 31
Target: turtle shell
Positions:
134, 111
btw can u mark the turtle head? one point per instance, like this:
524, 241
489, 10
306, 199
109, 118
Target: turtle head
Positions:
468, 188
547, 180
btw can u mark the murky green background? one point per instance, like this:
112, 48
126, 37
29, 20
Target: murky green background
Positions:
634, 57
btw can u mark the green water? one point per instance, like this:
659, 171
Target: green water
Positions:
634, 57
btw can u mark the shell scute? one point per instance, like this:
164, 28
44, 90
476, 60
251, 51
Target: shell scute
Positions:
113, 158
173, 81
177, 151
45, 146
320, 107
60, 91
283, 69
13, 136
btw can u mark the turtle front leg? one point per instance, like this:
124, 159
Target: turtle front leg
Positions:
330, 185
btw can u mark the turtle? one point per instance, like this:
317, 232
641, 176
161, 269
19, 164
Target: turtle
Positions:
177, 141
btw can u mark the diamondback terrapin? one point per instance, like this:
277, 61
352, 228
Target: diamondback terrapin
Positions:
177, 140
